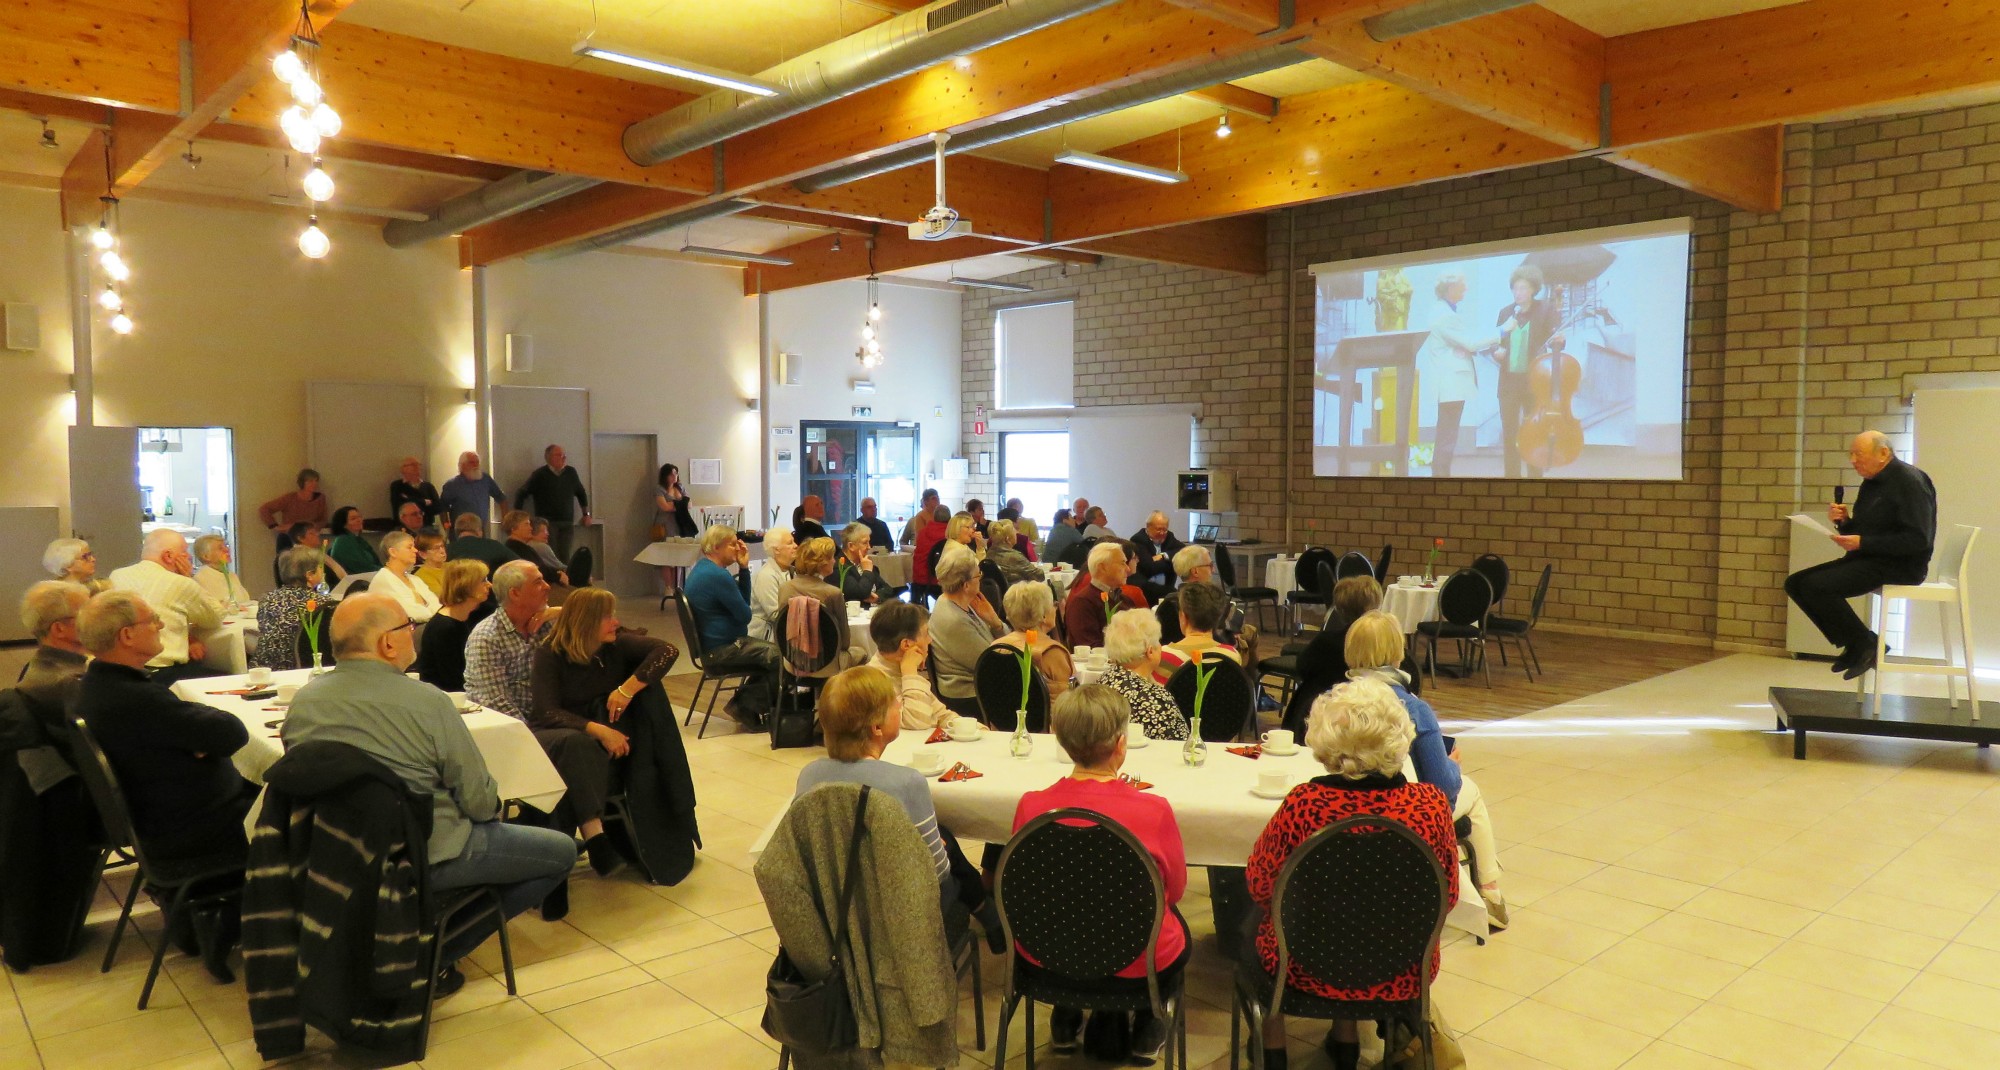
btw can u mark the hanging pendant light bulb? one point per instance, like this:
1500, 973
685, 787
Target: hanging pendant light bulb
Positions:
101, 238
307, 92
121, 324
1222, 128
299, 130
114, 266
110, 301
313, 241
325, 120
288, 66
318, 184
874, 311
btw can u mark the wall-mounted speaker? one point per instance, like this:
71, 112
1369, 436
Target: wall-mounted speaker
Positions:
788, 368
22, 325
520, 353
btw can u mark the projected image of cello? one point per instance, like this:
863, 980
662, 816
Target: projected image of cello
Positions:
1559, 357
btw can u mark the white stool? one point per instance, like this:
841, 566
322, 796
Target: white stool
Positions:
1947, 591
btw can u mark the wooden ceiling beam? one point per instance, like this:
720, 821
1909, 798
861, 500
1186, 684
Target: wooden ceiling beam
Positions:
1235, 244
1002, 200
360, 152
1741, 168
1239, 100
583, 215
43, 106
1798, 62
815, 260
1107, 49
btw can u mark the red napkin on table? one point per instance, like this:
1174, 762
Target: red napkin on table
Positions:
1134, 781
1253, 751
939, 735
961, 771
240, 691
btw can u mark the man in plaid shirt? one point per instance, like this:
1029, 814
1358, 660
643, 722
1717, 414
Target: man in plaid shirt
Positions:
501, 649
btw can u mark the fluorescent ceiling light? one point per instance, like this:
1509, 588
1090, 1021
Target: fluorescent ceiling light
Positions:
676, 68
737, 254
992, 284
1119, 167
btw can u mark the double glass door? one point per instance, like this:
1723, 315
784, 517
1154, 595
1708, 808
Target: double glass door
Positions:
848, 461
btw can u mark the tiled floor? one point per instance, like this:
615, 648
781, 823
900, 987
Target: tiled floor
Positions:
1686, 897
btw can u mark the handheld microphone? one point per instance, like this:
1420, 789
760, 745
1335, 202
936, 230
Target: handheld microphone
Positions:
1839, 495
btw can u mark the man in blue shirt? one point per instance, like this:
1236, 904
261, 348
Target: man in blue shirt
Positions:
721, 606
469, 490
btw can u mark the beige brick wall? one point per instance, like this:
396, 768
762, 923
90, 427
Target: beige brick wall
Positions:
1885, 261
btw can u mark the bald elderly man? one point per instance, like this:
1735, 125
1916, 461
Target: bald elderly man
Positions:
1888, 534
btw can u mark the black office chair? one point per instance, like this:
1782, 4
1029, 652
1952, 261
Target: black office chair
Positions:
1251, 594
1080, 894
730, 680
189, 885
1226, 704
1312, 591
1494, 568
996, 681
1359, 904
1505, 629
1463, 604
1353, 563
794, 720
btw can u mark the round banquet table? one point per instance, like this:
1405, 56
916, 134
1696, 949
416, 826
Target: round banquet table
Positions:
230, 646
1410, 605
1281, 574
894, 568
1061, 578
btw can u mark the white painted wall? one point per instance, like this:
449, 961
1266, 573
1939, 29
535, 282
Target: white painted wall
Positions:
919, 379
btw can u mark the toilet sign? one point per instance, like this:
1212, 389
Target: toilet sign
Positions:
979, 420
978, 427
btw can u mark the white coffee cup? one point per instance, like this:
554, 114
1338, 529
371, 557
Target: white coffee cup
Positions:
927, 760
259, 676
1273, 781
1279, 740
1135, 733
963, 728
286, 692
1082, 652
1408, 581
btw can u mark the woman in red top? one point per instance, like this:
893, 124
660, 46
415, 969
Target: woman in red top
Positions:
922, 580
1360, 732
1089, 723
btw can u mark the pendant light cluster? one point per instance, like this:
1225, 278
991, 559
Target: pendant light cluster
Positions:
309, 121
870, 353
104, 240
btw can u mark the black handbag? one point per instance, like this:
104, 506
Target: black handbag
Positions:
815, 1017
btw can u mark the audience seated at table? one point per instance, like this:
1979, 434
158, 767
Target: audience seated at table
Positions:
441, 657
1157, 545
469, 491
1096, 525
366, 702
962, 627
519, 528
1031, 611
50, 862
303, 534
1375, 649
1090, 604
1004, 552
431, 559
500, 651
410, 517
878, 532
902, 635
923, 555
1024, 530
574, 573
163, 578
469, 543
583, 678
216, 578
807, 520
171, 755
720, 603
926, 505
1323, 663
780, 549
301, 571
411, 488
855, 573
49, 611
1202, 606
1132, 648
72, 560
397, 578
1089, 724
959, 529
306, 505
1064, 532
349, 549
1360, 733
1192, 564
810, 570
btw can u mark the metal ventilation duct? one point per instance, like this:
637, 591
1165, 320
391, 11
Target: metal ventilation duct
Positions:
883, 52
1431, 14
517, 192
1208, 74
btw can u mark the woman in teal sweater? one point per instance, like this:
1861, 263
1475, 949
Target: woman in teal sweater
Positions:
348, 548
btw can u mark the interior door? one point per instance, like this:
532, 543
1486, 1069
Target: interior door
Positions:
104, 507
832, 470
621, 491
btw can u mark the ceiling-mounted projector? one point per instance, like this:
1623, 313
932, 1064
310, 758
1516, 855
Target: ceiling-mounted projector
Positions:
942, 220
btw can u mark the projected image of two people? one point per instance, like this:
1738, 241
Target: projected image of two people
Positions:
1561, 357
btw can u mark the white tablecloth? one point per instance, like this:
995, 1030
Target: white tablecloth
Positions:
1061, 579
894, 567
1410, 605
670, 553
229, 646
1281, 574
857, 630
1219, 817
516, 761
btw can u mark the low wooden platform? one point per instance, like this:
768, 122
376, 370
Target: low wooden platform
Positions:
1801, 710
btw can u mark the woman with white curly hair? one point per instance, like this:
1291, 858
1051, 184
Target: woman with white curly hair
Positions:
71, 559
1361, 734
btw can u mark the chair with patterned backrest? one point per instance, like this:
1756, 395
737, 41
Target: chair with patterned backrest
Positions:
1227, 704
1078, 894
1464, 601
1359, 904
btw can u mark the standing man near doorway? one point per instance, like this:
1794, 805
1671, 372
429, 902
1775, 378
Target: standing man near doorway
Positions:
1888, 535
556, 490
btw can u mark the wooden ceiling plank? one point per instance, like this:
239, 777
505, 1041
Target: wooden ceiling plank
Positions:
48, 107
1795, 63
1235, 244
1741, 168
124, 52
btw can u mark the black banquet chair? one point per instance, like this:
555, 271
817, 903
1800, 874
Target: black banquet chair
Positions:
1382, 564
1252, 594
1227, 703
1314, 589
1078, 893
996, 682
795, 720
722, 679
1353, 563
1359, 904
1494, 568
1463, 604
1519, 631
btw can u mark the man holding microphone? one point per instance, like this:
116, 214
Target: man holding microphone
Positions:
1888, 534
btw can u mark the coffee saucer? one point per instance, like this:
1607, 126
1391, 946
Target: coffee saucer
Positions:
1276, 753
1262, 794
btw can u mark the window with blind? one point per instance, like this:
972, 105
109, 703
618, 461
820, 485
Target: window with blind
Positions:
1034, 350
